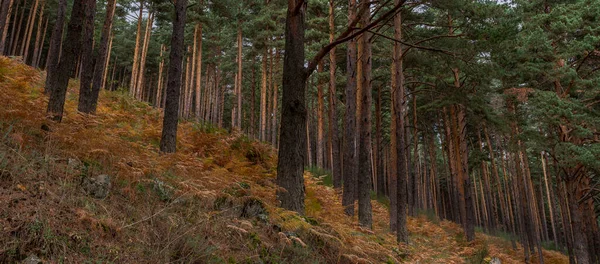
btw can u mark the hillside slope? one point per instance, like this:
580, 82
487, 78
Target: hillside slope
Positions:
211, 202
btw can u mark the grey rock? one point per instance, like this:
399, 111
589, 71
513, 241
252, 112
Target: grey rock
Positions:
253, 207
73, 163
495, 261
32, 259
97, 187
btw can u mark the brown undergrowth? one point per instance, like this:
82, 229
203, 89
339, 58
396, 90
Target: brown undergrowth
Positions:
211, 202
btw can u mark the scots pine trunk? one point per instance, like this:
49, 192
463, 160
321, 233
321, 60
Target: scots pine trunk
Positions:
66, 67
263, 98
55, 44
365, 217
38, 36
198, 74
292, 144
398, 97
144, 54
91, 103
87, 59
320, 117
136, 53
334, 147
350, 163
4, 17
28, 31
168, 141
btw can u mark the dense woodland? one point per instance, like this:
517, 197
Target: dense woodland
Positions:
486, 113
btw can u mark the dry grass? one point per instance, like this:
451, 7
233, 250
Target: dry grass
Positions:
184, 207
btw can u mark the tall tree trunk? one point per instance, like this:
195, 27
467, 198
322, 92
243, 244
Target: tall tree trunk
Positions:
168, 141
28, 31
350, 163
253, 101
320, 117
292, 145
263, 98
38, 56
161, 66
334, 147
365, 217
144, 53
107, 62
198, 68
398, 97
275, 100
88, 100
66, 67
238, 117
55, 44
15, 38
5, 8
38, 36
87, 60
380, 186
136, 53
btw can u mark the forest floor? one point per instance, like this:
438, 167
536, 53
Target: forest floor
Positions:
211, 202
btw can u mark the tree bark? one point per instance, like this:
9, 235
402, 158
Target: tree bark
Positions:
136, 52
5, 8
66, 67
365, 217
15, 38
88, 104
198, 68
398, 97
55, 44
38, 36
263, 98
168, 141
334, 147
320, 117
293, 114
350, 162
87, 60
144, 53
28, 31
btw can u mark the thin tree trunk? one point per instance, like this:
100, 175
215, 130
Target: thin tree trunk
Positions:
160, 77
28, 31
198, 69
334, 147
136, 53
320, 117
5, 11
144, 52
38, 57
238, 117
275, 100
15, 38
107, 62
263, 98
38, 36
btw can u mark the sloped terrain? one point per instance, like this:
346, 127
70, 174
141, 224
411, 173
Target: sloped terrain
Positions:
211, 202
